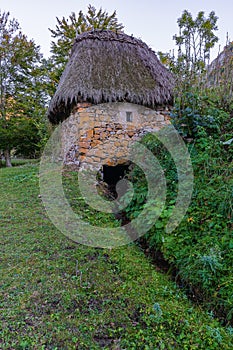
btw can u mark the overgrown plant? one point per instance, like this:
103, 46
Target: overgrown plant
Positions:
200, 249
22, 99
194, 110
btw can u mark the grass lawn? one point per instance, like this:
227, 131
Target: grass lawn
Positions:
56, 294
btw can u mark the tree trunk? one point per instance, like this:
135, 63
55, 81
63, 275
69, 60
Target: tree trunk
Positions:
7, 158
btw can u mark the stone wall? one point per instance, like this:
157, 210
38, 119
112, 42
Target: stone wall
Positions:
95, 135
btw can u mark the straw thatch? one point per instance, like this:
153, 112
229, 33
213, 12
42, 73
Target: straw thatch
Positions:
105, 66
221, 68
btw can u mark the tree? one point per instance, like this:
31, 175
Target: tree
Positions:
194, 42
193, 107
21, 98
196, 38
66, 31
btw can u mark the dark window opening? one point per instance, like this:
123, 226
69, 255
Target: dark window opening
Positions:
129, 116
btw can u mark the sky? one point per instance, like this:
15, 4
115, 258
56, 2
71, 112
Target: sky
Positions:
154, 21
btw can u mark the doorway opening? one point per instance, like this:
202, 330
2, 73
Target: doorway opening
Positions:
112, 174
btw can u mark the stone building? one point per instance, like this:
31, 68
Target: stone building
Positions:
113, 90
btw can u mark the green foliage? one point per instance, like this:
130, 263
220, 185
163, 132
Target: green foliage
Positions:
19, 59
201, 247
193, 111
22, 99
19, 133
195, 39
21, 161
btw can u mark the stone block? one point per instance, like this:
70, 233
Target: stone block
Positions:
108, 162
97, 130
84, 117
125, 143
83, 139
82, 150
130, 133
95, 160
89, 134
120, 136
95, 143
82, 158
120, 154
159, 117
99, 153
103, 118
122, 161
84, 144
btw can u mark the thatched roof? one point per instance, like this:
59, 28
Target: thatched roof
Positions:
220, 70
105, 66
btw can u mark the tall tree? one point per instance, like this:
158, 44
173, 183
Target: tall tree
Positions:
195, 39
192, 100
20, 75
67, 29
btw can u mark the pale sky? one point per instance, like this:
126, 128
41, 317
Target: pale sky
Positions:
154, 21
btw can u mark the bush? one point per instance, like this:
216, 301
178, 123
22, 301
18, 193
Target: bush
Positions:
200, 249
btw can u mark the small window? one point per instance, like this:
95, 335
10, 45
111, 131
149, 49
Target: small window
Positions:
129, 116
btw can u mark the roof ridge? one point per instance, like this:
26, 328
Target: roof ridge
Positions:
100, 34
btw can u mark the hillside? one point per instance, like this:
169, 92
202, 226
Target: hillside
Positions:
56, 294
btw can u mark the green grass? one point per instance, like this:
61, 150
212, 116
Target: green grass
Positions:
20, 161
56, 294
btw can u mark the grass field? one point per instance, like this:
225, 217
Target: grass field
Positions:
56, 294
